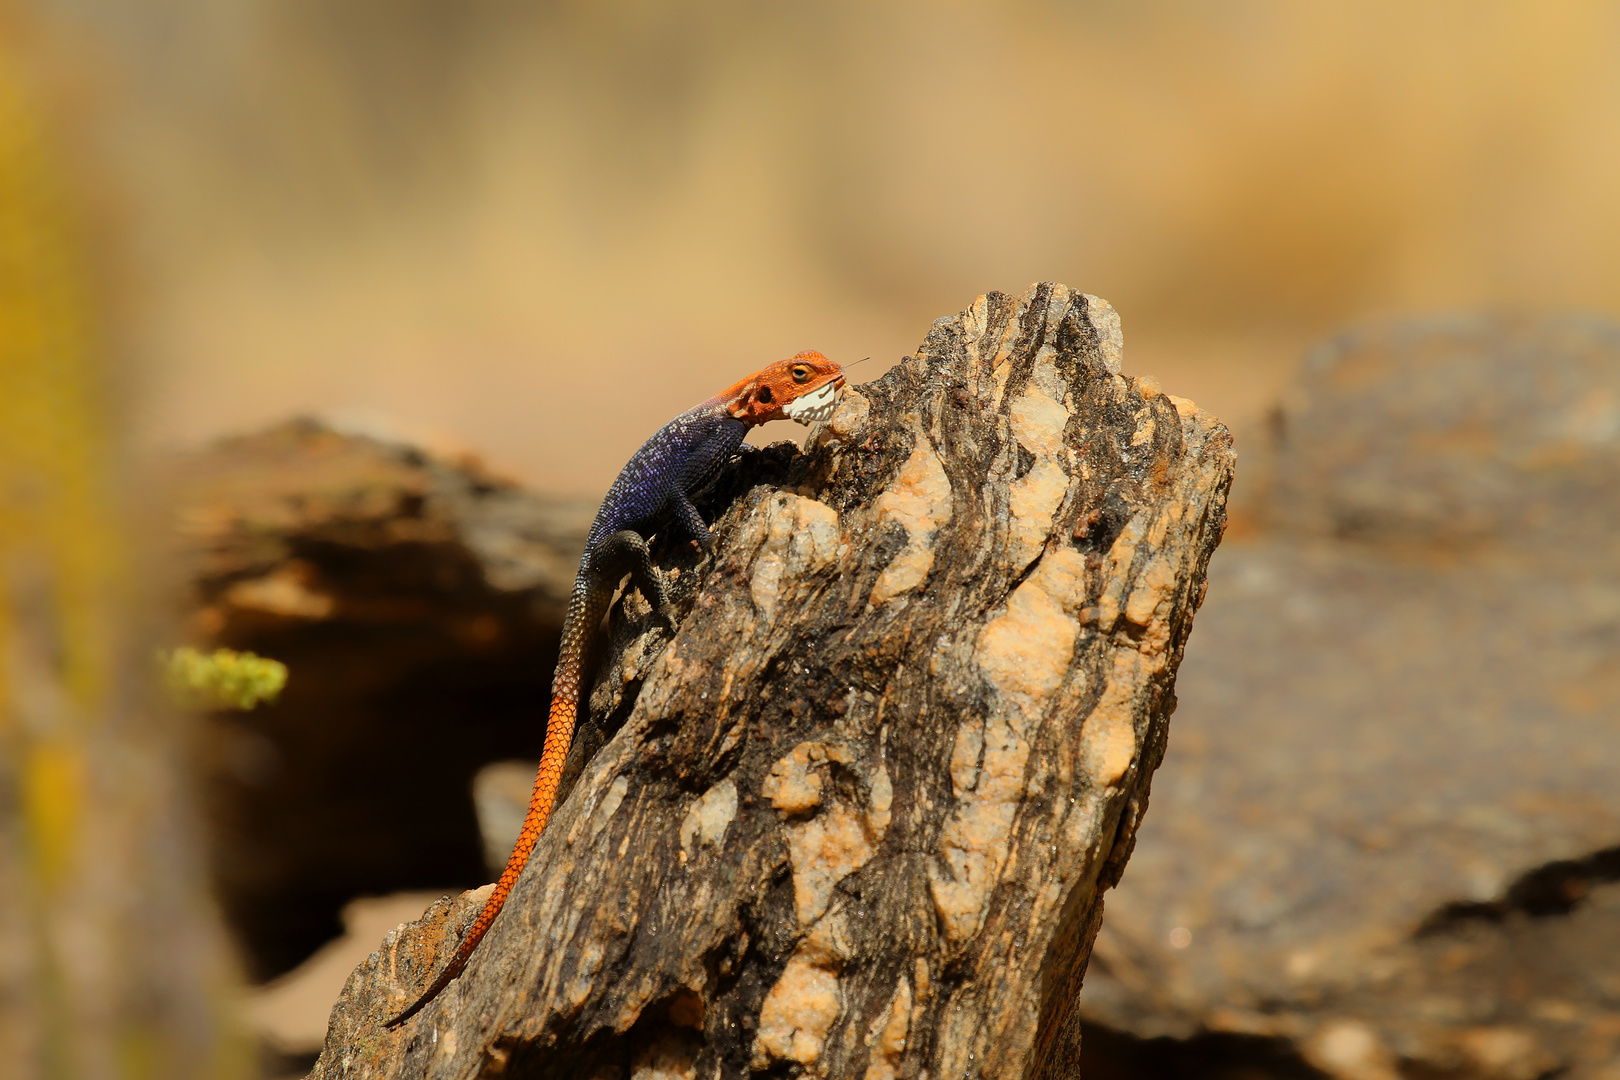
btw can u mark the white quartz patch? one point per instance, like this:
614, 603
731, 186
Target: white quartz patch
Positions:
801, 537
920, 501
707, 820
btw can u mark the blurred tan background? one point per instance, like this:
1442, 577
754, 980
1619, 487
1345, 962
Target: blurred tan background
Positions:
538, 229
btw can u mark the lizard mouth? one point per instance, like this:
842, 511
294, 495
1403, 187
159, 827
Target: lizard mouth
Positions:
814, 407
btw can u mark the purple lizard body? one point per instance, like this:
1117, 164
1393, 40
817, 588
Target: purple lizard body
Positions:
661, 477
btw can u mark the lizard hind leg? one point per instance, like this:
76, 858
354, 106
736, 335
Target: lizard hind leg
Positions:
626, 550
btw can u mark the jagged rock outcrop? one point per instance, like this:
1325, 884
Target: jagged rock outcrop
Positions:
855, 818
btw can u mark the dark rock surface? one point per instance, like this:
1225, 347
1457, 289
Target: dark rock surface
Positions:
1386, 829
855, 818
417, 604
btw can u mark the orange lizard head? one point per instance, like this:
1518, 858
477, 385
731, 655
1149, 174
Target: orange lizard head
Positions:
802, 388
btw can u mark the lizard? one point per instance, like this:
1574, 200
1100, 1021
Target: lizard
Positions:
655, 487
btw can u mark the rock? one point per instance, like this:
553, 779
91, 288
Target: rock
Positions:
1384, 826
417, 604
855, 818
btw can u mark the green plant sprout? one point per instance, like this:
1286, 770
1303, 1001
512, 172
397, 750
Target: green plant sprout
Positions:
222, 679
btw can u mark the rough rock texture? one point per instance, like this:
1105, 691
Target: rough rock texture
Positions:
417, 604
1386, 829
854, 820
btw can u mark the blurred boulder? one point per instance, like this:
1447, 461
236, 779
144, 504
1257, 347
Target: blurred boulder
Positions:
1458, 433
1386, 835
501, 793
416, 602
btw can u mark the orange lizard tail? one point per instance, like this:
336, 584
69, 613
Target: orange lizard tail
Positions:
585, 610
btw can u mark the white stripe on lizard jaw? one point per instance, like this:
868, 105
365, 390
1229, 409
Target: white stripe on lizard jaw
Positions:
814, 407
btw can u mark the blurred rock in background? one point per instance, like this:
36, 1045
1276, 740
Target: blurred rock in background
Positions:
1387, 830
501, 795
410, 597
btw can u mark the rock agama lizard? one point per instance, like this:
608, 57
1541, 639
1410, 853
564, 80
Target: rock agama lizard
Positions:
655, 487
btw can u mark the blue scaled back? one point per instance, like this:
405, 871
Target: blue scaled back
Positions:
660, 478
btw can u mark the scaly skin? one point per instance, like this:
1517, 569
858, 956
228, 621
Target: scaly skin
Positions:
656, 486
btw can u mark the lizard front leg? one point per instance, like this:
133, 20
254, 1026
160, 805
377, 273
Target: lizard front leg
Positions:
626, 551
691, 522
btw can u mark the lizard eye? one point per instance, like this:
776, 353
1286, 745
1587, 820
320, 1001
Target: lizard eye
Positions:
801, 373
764, 394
